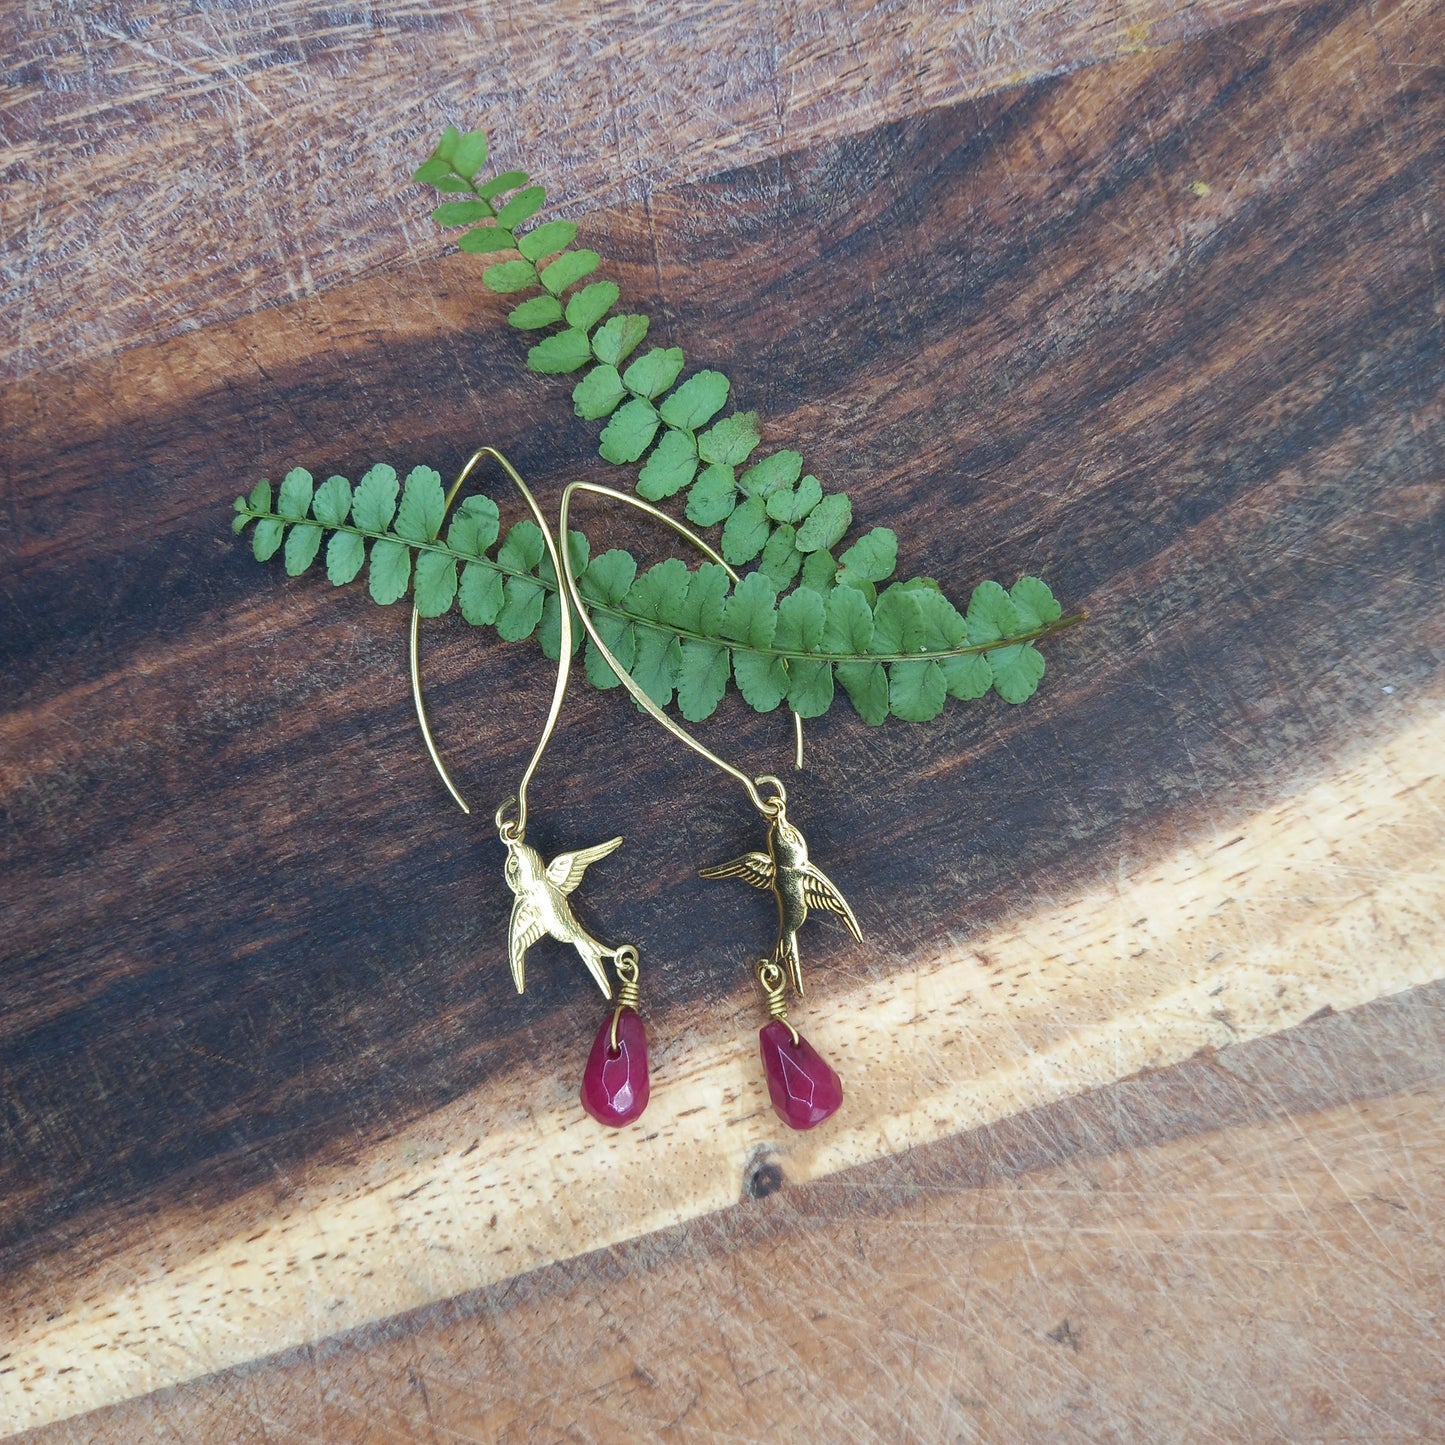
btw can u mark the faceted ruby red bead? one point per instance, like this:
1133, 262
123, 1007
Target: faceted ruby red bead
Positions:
804, 1090
615, 1086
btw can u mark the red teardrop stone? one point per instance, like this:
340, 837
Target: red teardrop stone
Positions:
615, 1086
804, 1090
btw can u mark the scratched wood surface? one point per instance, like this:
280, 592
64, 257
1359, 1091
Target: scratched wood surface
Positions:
1165, 329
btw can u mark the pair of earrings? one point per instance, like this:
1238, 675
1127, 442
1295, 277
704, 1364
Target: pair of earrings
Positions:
616, 1085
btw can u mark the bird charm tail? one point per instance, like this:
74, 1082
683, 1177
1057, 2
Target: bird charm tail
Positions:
595, 957
786, 955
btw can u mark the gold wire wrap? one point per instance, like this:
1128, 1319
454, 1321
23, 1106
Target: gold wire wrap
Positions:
629, 992
768, 807
516, 828
774, 984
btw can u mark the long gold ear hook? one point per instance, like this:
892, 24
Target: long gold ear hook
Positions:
767, 806
564, 665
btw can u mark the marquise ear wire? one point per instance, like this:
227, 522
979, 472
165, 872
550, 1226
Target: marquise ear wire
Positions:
615, 1083
803, 1088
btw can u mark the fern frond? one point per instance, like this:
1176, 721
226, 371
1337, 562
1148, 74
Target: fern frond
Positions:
684, 632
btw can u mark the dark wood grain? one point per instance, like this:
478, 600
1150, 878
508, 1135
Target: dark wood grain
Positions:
1166, 332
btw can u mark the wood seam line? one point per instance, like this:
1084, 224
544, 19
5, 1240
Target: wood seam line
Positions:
1328, 898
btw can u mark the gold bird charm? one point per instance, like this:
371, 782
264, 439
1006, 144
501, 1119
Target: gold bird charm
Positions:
542, 907
797, 884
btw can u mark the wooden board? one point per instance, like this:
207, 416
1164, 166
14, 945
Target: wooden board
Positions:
1243, 1247
1164, 330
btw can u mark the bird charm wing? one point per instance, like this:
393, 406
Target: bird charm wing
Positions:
565, 871
819, 892
526, 928
754, 868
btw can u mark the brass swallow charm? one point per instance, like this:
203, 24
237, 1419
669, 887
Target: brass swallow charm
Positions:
542, 907
797, 884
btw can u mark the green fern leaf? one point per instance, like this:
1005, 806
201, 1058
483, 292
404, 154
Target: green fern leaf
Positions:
655, 668
423, 502
696, 401
762, 680
585, 308
730, 441
608, 578
435, 587
303, 542
523, 549
620, 635
469, 154
461, 213
293, 501
508, 276
702, 678
507, 181
801, 620
670, 467
781, 559
810, 686
871, 558
332, 503
706, 599
897, 622
390, 571
547, 240
522, 602
943, 624
537, 312
479, 594
916, 691
345, 554
848, 623
266, 539
654, 371
714, 495
474, 528
485, 239
598, 393
826, 523
1034, 603
820, 573
655, 590
789, 504
746, 532
991, 614
967, 677
569, 268
549, 629
750, 614
772, 474
618, 337
630, 432
866, 684
522, 207
561, 352
1016, 671
375, 502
